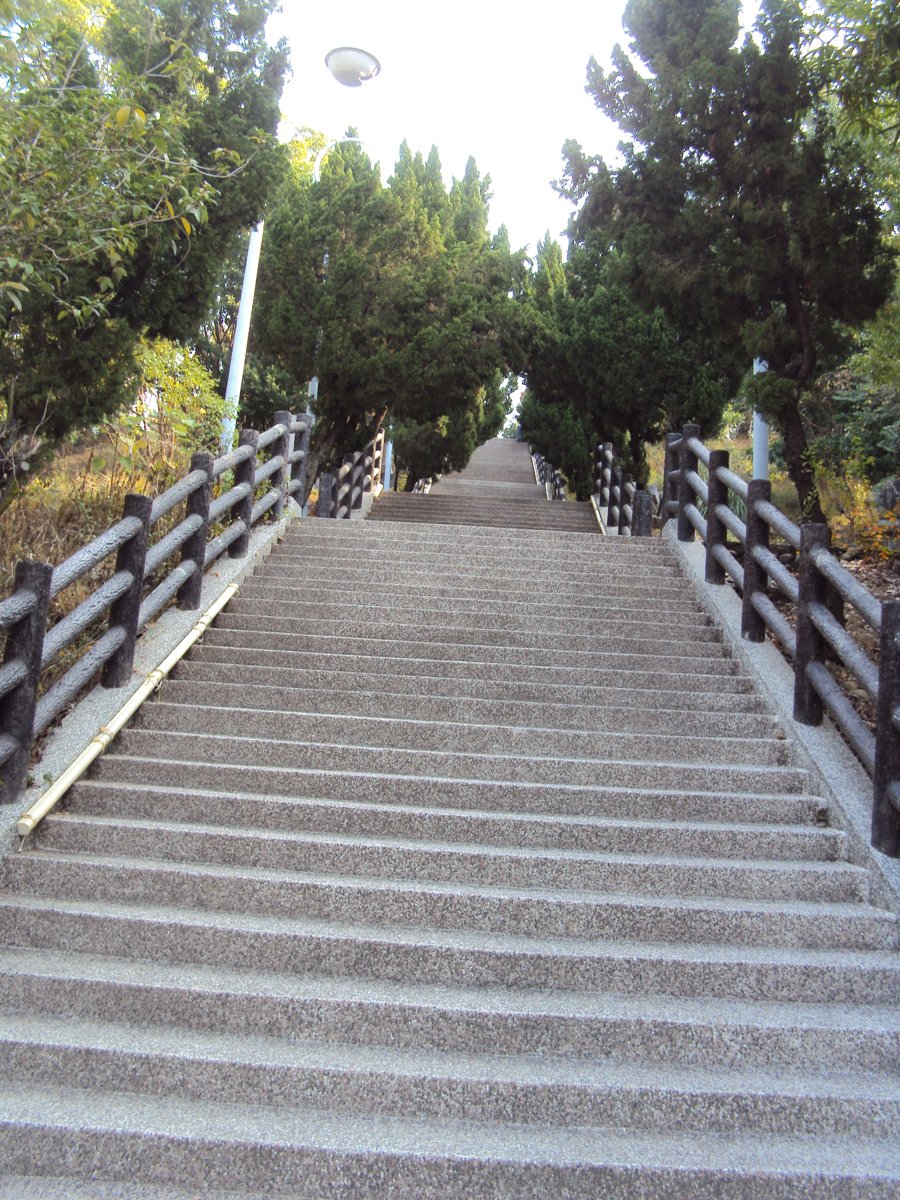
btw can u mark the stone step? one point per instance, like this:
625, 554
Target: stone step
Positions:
314, 1153
641, 872
256, 646
503, 518
726, 1034
588, 717
573, 564
734, 693
543, 546
356, 756
407, 1084
535, 568
530, 912
444, 625
603, 603
780, 828
391, 732
448, 957
628, 802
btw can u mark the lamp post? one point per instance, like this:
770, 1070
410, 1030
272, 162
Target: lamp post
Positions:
352, 67
760, 432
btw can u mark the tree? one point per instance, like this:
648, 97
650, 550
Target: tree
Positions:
602, 368
89, 162
855, 47
738, 210
126, 132
399, 305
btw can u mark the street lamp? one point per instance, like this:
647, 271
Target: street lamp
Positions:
351, 67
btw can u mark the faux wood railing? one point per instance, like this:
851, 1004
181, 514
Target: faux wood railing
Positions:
815, 592
629, 509
549, 476
150, 572
341, 492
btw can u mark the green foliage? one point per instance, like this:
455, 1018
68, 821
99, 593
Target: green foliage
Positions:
395, 298
560, 432
89, 162
137, 140
855, 45
606, 369
855, 426
738, 210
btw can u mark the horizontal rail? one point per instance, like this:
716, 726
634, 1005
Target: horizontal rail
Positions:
58, 698
227, 501
850, 653
729, 564
271, 435
849, 587
777, 572
16, 608
174, 540
267, 470
92, 555
697, 447
218, 545
817, 586
699, 485
164, 592
777, 622
233, 459
8, 747
696, 518
142, 581
176, 494
843, 713
776, 520
732, 522
12, 673
87, 613
262, 506
733, 482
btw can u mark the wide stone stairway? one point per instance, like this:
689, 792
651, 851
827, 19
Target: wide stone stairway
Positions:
497, 488
456, 862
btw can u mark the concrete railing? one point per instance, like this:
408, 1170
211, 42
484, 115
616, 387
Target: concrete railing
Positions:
629, 509
151, 571
549, 476
702, 493
341, 492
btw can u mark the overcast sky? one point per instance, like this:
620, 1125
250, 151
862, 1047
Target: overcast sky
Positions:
503, 82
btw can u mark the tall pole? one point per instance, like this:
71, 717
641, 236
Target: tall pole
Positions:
760, 432
352, 67
241, 336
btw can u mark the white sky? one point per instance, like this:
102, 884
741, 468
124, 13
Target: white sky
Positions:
498, 80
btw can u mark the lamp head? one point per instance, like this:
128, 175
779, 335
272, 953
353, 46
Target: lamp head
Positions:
352, 66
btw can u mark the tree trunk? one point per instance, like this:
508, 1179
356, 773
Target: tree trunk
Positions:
796, 449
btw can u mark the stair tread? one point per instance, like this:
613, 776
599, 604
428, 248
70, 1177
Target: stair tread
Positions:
488, 891
763, 771
458, 939
343, 1133
526, 854
218, 980
791, 801
533, 1071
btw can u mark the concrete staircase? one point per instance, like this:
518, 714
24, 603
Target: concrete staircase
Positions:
453, 864
497, 489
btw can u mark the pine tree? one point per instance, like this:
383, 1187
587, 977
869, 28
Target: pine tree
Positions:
737, 210
366, 287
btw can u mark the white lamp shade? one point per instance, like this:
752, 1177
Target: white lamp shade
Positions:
352, 66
